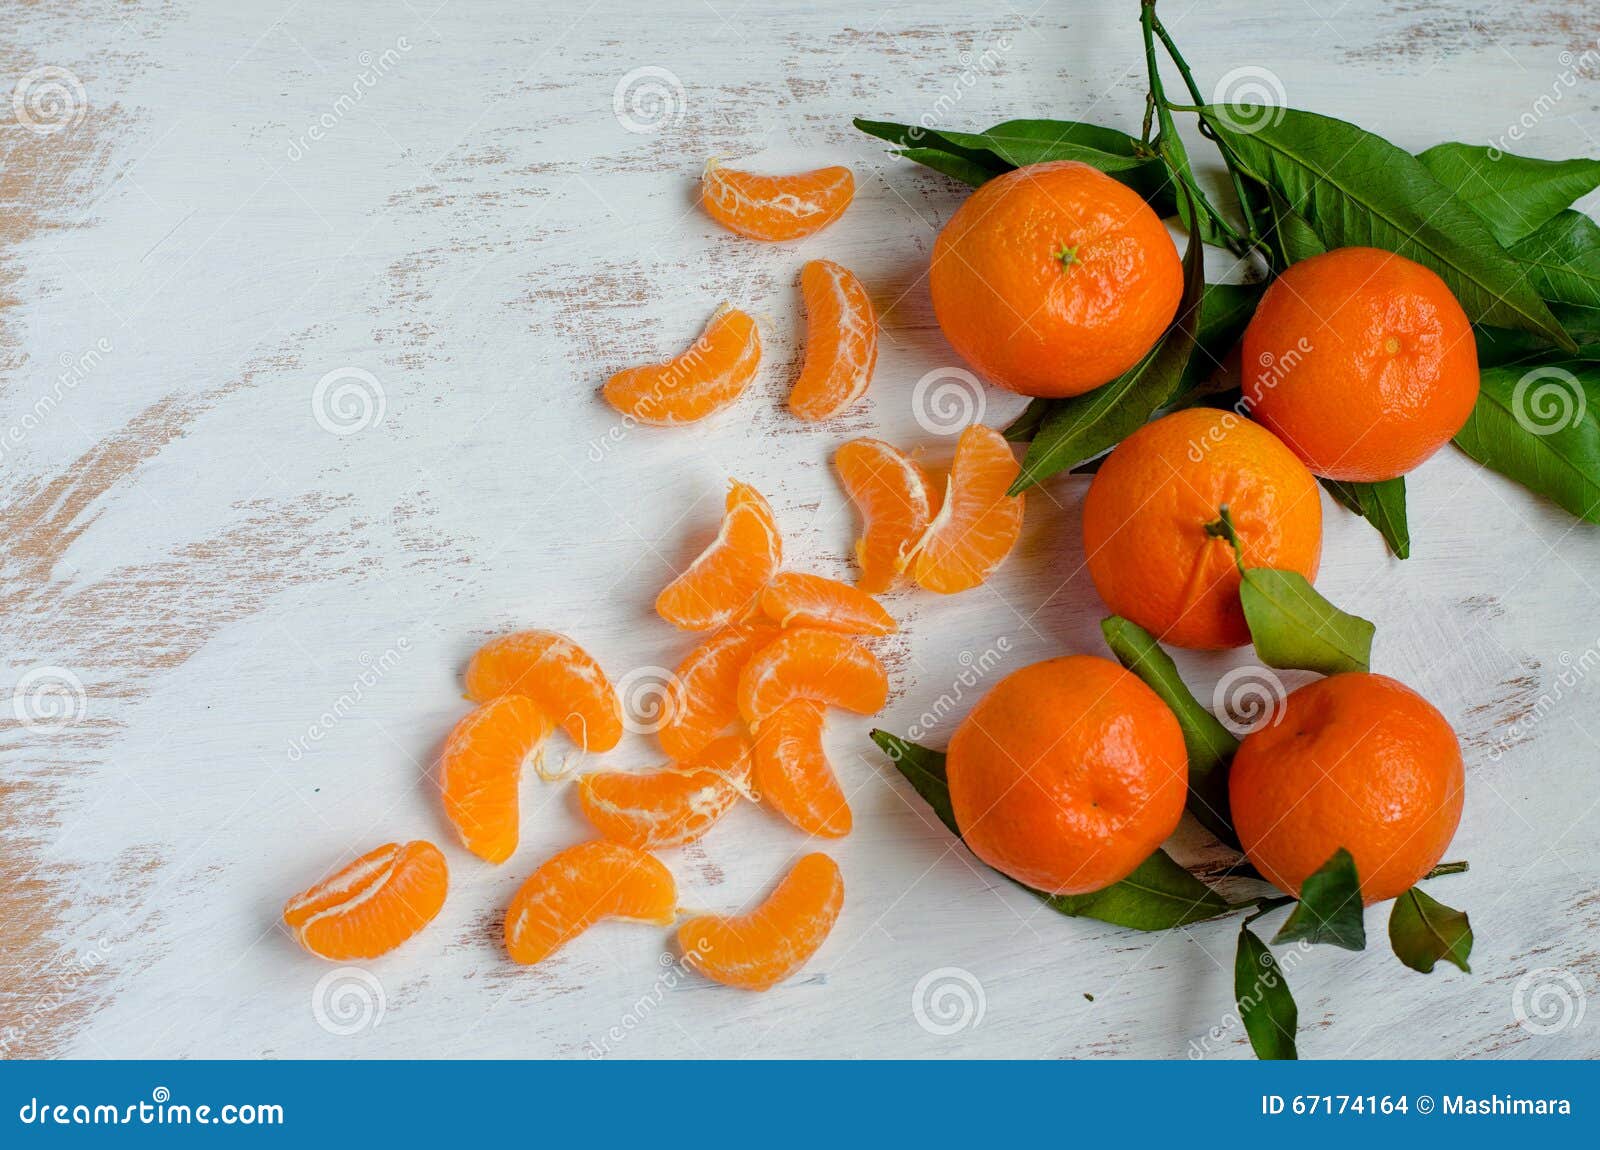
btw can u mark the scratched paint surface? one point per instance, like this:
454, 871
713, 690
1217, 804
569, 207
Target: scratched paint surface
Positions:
302, 318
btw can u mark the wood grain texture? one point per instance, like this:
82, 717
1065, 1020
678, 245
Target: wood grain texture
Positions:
303, 314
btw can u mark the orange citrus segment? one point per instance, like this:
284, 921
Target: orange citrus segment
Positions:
578, 887
979, 523
795, 599
373, 905
808, 663
704, 695
480, 770
669, 807
756, 951
841, 341
555, 673
775, 207
792, 771
896, 503
722, 585
709, 376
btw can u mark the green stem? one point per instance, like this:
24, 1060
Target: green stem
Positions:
1447, 868
1266, 906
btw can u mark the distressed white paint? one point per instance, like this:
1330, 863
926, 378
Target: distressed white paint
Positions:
481, 235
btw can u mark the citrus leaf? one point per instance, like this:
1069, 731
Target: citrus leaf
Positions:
1026, 426
1081, 427
1564, 258
1158, 895
1381, 504
1516, 195
1329, 910
1540, 425
1209, 743
1422, 930
1356, 188
1266, 1007
1502, 345
956, 167
1295, 628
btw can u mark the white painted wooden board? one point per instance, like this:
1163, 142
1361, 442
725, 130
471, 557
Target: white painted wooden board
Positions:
268, 617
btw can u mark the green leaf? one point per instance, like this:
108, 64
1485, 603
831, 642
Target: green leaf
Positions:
924, 770
1422, 930
1502, 345
1329, 910
1540, 425
1356, 188
1266, 1007
1381, 504
1209, 743
1295, 628
1026, 426
1289, 237
1017, 143
1516, 195
955, 166
1564, 258
1158, 895
1083, 426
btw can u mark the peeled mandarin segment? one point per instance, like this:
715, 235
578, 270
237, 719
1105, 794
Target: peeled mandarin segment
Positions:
722, 585
707, 377
558, 675
979, 523
480, 772
794, 599
792, 771
896, 503
841, 341
575, 889
704, 695
756, 951
669, 807
776, 207
808, 663
373, 905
